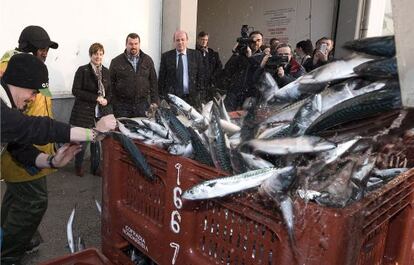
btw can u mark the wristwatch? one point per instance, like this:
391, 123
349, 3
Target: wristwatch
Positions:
50, 161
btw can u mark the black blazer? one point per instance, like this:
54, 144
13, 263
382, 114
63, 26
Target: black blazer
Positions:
85, 90
167, 80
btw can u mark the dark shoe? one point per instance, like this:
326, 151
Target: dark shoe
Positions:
34, 244
79, 171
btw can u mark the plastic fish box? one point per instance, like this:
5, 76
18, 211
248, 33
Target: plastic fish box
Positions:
90, 256
241, 229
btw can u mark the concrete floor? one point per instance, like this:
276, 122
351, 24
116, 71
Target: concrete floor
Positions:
66, 190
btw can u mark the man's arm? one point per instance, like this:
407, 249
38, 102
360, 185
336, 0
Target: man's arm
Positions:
153, 84
17, 127
161, 78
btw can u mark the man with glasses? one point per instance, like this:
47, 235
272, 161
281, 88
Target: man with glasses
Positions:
34, 40
287, 69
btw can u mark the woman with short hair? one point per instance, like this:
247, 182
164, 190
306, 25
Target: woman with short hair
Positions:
91, 88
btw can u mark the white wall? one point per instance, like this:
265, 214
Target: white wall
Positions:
178, 14
286, 19
76, 24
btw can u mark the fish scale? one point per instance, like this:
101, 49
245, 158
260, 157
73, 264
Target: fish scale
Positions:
176, 126
201, 154
217, 140
220, 187
360, 107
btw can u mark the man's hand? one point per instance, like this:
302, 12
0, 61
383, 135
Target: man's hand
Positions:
265, 59
102, 101
106, 123
65, 154
280, 71
319, 57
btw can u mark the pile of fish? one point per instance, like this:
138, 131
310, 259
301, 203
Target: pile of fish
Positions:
290, 141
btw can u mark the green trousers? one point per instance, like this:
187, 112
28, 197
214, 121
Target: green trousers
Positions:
22, 210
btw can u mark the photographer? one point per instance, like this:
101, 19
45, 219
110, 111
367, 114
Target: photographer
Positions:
237, 71
234, 75
283, 67
323, 54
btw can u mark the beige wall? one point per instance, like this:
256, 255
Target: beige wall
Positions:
404, 36
178, 14
223, 20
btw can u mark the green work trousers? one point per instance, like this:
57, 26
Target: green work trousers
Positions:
22, 210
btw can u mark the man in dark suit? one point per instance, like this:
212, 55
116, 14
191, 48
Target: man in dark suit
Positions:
211, 63
181, 72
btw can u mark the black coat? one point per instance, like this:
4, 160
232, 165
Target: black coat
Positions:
212, 70
129, 86
85, 89
234, 81
167, 82
20, 131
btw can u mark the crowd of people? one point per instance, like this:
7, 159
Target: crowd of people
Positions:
128, 88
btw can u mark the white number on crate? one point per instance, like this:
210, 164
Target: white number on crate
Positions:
178, 167
177, 249
175, 226
177, 200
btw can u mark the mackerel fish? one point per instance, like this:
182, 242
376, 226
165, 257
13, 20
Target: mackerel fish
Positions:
221, 187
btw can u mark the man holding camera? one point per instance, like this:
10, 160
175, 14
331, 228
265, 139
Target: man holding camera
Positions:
283, 67
322, 54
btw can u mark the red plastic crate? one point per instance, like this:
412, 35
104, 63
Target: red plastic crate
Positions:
85, 257
240, 229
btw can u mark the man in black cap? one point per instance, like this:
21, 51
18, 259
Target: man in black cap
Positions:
24, 203
35, 40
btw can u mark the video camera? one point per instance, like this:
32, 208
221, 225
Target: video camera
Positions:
244, 41
276, 61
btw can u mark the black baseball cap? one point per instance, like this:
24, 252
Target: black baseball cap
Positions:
27, 71
36, 36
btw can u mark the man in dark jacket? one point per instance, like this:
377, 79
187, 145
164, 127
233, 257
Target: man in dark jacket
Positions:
181, 72
287, 71
211, 63
133, 80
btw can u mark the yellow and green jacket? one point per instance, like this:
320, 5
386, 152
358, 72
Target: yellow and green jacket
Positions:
11, 171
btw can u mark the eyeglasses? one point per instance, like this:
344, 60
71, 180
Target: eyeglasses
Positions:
283, 54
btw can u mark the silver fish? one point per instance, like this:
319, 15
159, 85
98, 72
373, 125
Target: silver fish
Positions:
128, 133
160, 130
387, 174
219, 144
229, 127
159, 142
267, 87
291, 145
335, 70
277, 188
284, 114
308, 195
181, 149
206, 110
223, 111
191, 112
80, 244
224, 186
338, 192
321, 103
255, 162
273, 132
69, 232
98, 206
